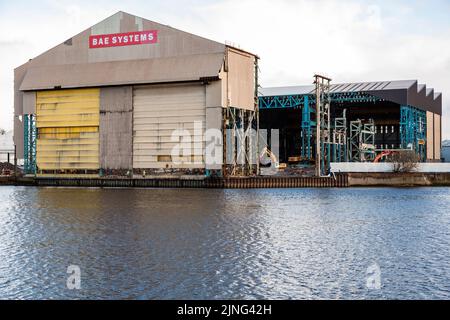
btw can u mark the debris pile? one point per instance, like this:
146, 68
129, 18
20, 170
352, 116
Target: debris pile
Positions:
6, 169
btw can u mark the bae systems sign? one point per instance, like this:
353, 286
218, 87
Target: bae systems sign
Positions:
123, 39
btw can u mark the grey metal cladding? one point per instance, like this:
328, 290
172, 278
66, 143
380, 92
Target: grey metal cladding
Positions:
116, 127
398, 96
172, 69
116, 99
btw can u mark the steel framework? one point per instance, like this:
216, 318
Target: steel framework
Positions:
241, 140
362, 141
30, 136
307, 130
340, 151
413, 128
299, 101
353, 143
307, 103
323, 127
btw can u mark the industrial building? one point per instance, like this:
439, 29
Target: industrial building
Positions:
365, 120
107, 101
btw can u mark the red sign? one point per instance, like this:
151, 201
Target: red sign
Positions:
123, 39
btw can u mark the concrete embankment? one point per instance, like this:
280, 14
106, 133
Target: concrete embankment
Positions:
398, 179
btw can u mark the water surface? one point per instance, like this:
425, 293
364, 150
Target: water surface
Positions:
224, 244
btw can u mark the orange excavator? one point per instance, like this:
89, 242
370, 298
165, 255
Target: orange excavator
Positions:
383, 155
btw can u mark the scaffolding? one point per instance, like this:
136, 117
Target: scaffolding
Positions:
357, 143
30, 136
307, 133
362, 141
323, 126
339, 147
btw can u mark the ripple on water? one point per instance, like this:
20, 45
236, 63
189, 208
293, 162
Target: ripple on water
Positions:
224, 244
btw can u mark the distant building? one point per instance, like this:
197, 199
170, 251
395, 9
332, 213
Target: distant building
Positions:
6, 146
446, 151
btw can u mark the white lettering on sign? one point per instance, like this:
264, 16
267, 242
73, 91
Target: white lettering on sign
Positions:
123, 39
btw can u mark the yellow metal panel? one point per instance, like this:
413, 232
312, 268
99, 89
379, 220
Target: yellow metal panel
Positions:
68, 129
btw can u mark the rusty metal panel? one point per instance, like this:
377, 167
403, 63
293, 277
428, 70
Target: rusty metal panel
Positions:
241, 79
437, 137
430, 136
116, 128
68, 129
157, 112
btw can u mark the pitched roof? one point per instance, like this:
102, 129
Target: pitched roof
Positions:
177, 56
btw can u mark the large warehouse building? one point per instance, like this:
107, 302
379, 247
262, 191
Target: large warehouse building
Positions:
367, 120
107, 101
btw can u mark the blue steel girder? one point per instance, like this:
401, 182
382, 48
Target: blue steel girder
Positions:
413, 128
298, 101
30, 135
282, 102
307, 130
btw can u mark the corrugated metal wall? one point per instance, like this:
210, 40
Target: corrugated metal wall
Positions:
158, 111
116, 128
68, 129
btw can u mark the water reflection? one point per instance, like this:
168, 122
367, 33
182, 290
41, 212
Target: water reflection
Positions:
229, 244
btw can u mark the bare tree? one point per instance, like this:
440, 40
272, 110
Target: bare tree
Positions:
2, 131
405, 161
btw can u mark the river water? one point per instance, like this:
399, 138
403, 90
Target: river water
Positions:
225, 244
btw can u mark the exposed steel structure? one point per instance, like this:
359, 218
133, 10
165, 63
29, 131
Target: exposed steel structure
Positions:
393, 115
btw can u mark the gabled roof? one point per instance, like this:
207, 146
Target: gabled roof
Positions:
176, 56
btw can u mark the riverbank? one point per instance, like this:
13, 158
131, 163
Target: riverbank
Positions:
337, 181
398, 179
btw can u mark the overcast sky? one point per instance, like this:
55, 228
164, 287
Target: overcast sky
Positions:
349, 40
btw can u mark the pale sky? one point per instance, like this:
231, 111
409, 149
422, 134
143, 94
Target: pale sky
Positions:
348, 40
